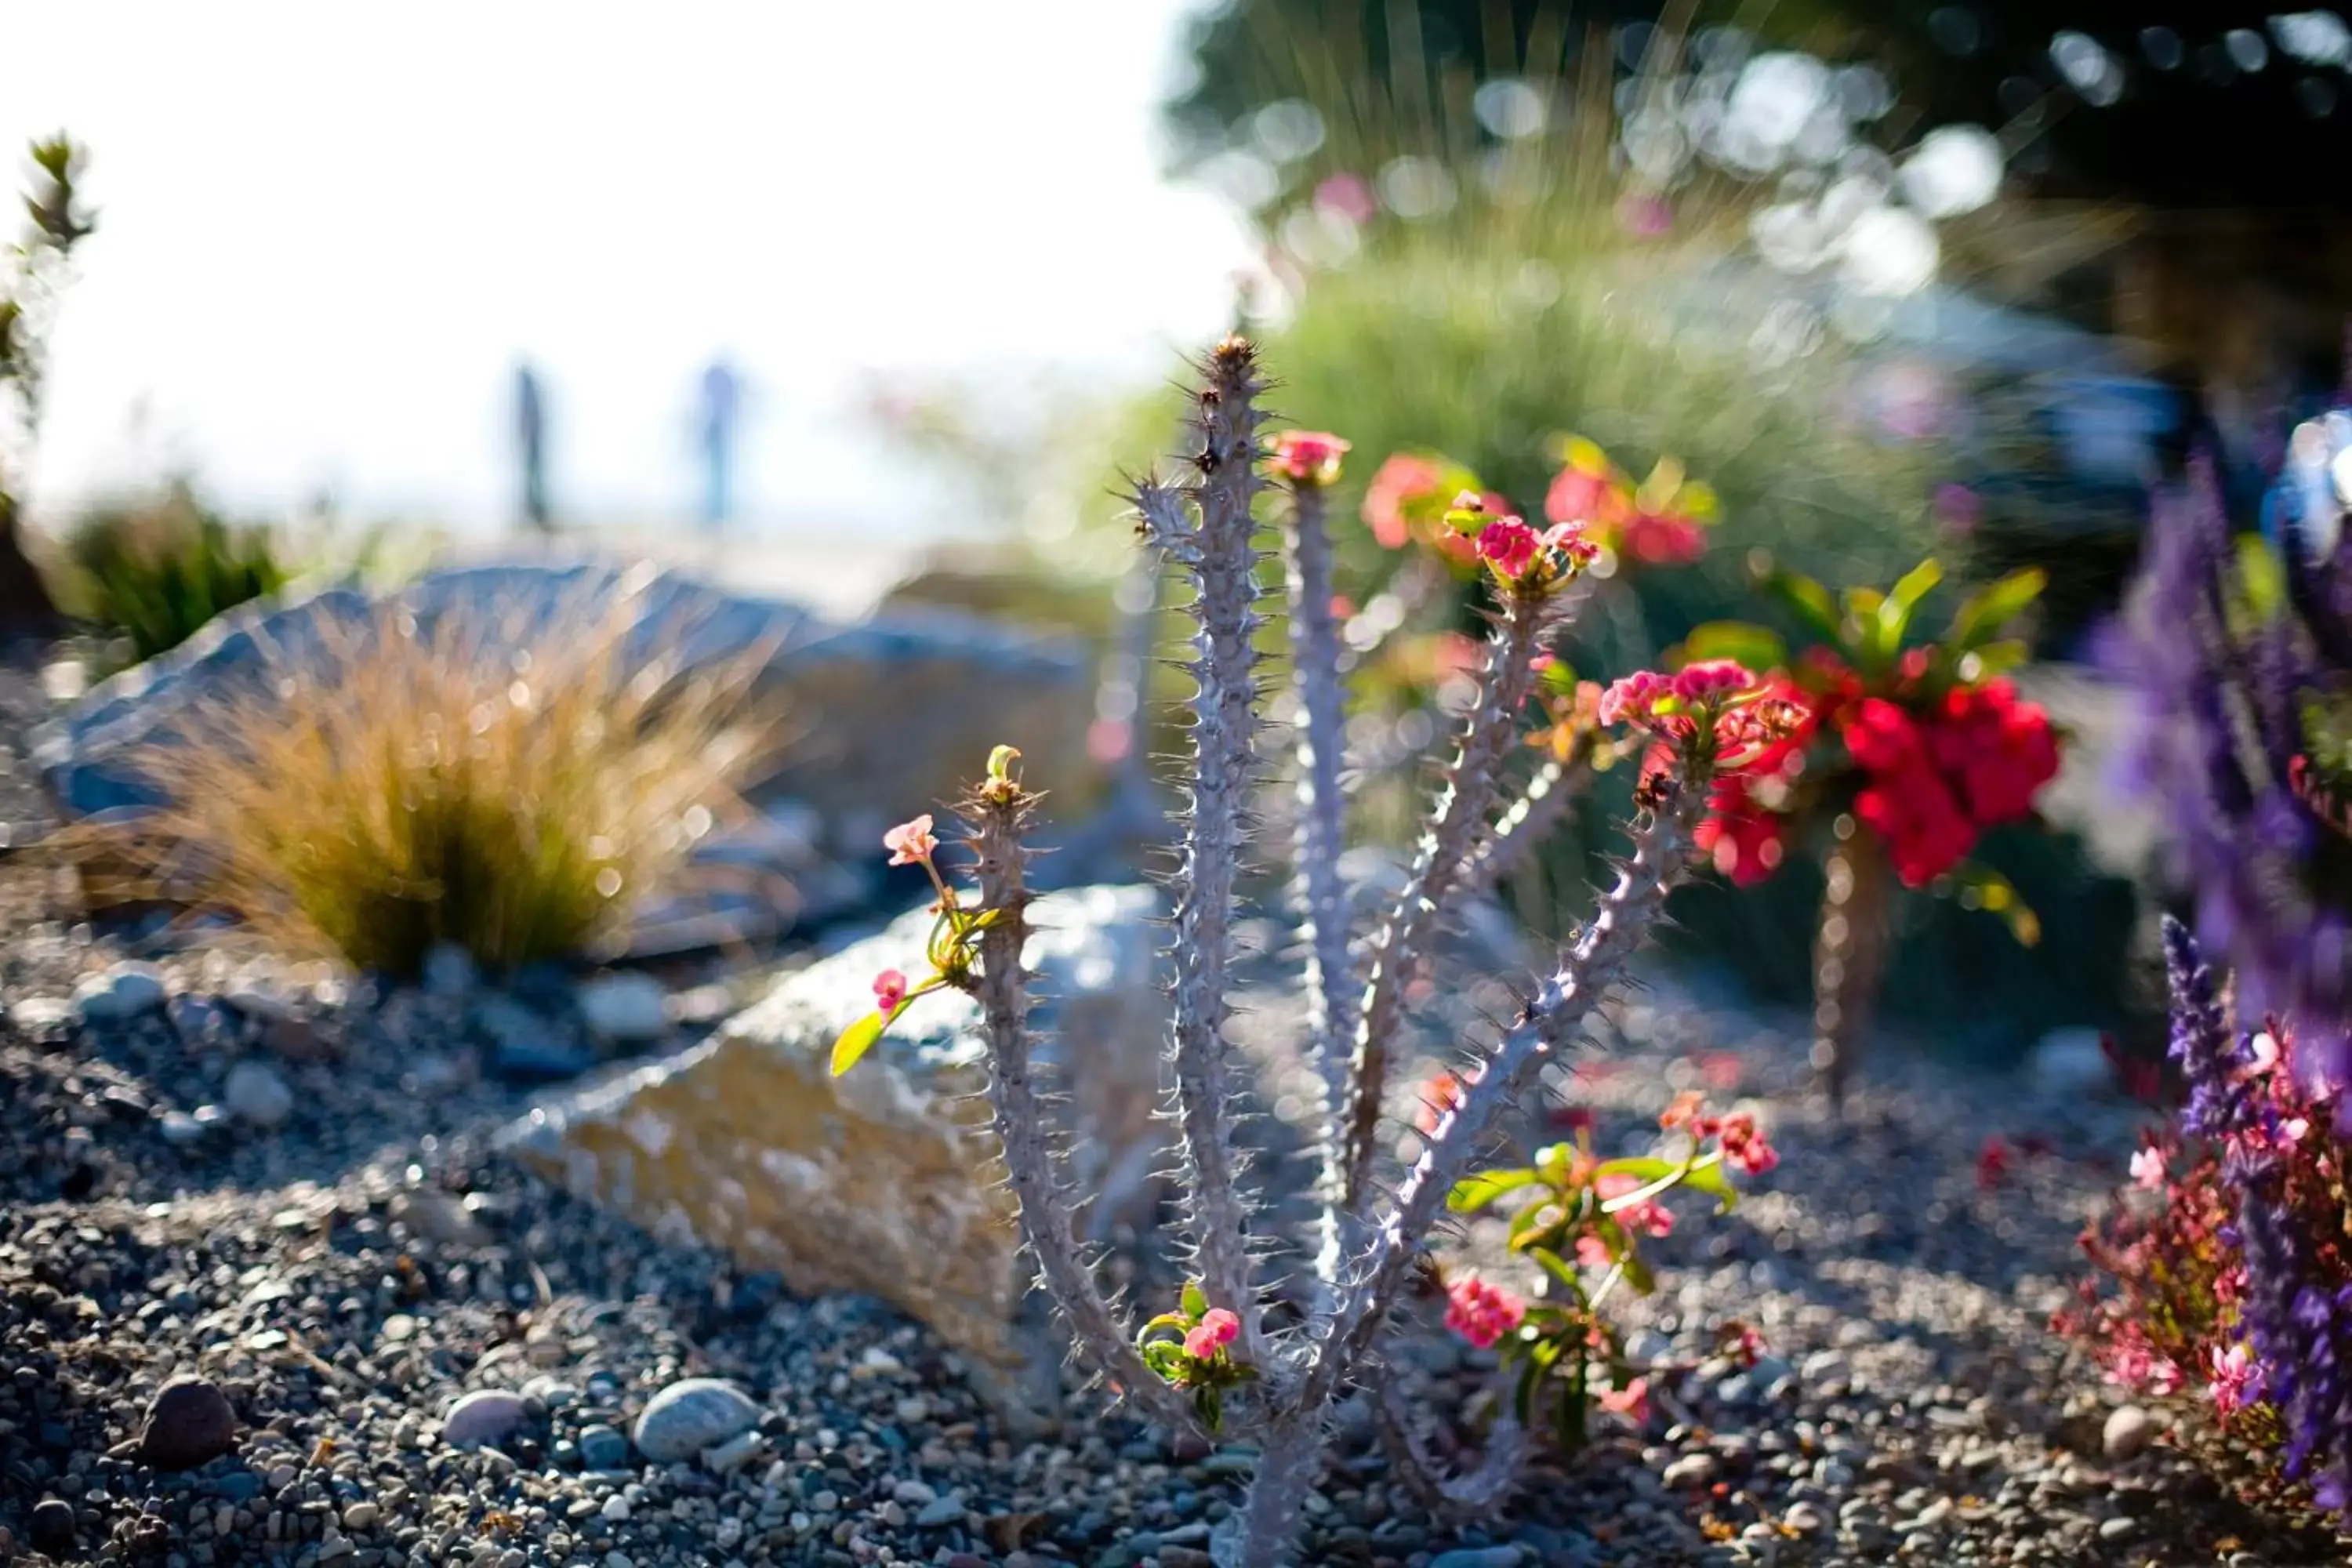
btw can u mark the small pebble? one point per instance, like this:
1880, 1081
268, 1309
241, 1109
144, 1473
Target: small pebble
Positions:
2127, 1434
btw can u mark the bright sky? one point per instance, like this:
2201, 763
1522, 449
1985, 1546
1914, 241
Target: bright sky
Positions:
326, 232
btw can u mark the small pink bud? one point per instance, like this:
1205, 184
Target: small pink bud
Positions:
889, 991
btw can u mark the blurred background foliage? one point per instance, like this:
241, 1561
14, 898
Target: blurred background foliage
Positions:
1474, 246
152, 570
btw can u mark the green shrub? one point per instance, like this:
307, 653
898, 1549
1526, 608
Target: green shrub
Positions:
154, 572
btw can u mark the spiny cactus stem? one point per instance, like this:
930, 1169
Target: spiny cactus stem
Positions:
1556, 1015
1003, 991
1331, 996
1528, 822
1223, 567
1456, 820
1478, 1490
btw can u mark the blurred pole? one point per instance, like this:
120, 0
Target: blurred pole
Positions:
531, 435
1849, 954
721, 402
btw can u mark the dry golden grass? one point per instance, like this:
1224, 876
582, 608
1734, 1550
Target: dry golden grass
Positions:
515, 795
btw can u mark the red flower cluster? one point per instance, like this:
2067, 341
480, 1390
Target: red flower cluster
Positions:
1480, 1312
1936, 780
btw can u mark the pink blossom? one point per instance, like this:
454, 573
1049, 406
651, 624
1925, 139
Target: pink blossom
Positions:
1644, 216
1712, 679
1568, 538
911, 843
1480, 1312
1632, 698
2236, 1379
1631, 1402
1308, 457
1592, 1252
1348, 195
1745, 1146
1402, 481
1683, 1111
1213, 1334
889, 991
1510, 545
2147, 1168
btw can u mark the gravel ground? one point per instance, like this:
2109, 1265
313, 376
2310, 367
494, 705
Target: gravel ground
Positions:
405, 1351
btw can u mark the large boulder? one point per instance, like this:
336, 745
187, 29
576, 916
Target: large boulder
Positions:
886, 1180
883, 718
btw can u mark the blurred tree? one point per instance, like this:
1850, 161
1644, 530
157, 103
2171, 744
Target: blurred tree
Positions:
2207, 126
2169, 103
28, 299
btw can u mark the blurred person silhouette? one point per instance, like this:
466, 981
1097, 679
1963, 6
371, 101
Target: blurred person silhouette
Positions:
718, 410
530, 432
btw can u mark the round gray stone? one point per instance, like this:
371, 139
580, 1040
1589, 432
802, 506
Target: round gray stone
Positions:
255, 1093
482, 1418
2128, 1433
189, 1423
690, 1415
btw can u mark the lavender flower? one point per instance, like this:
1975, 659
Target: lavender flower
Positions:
2232, 676
2211, 1057
2302, 1335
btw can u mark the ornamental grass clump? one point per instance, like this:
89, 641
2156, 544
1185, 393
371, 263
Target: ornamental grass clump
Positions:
1219, 1362
399, 786
2222, 1276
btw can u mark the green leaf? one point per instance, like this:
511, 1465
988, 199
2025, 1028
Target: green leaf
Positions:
1523, 1400
1560, 1269
1637, 1273
1712, 1181
1988, 659
1195, 1299
1810, 601
1895, 613
1167, 1358
1171, 1322
1984, 613
1760, 648
1643, 1168
1473, 1193
1980, 886
855, 1041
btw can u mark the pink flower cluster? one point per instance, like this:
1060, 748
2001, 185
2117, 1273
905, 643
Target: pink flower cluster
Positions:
1480, 1312
1212, 1335
1671, 708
